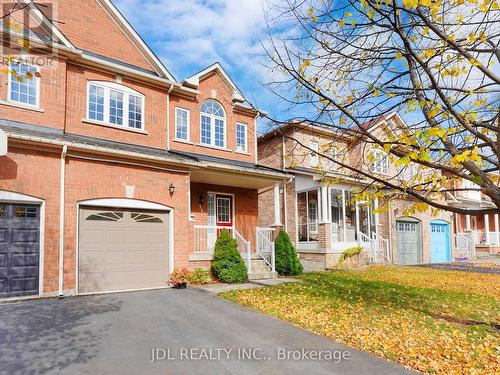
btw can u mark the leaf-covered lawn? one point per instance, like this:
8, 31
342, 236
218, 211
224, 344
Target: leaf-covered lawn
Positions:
429, 320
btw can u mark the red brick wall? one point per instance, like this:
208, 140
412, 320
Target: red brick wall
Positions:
155, 112
88, 26
52, 93
213, 81
36, 173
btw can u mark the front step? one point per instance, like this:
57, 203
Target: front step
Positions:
262, 275
261, 270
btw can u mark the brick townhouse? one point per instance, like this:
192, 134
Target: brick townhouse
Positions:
315, 206
115, 173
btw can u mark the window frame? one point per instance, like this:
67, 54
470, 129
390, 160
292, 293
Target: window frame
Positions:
188, 125
213, 119
127, 93
9, 86
381, 163
245, 127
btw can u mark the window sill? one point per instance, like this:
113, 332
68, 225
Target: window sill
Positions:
21, 106
214, 147
182, 141
243, 152
108, 125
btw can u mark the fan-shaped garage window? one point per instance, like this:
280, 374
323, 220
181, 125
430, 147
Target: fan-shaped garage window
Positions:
106, 216
145, 218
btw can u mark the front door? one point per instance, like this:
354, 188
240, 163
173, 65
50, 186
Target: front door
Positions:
223, 212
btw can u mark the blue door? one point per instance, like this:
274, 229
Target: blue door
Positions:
440, 241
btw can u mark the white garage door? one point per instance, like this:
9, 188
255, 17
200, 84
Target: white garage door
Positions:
122, 250
408, 242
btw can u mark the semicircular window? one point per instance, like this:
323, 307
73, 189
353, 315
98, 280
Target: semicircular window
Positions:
145, 218
106, 216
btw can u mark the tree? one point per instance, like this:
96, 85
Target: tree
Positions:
346, 63
287, 262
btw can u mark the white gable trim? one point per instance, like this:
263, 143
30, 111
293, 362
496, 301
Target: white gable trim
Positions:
121, 21
47, 24
194, 80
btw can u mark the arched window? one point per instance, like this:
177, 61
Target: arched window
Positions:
213, 124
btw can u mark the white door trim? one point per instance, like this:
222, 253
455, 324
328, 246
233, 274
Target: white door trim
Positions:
128, 204
12, 197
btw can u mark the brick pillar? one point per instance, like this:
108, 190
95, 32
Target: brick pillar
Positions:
325, 236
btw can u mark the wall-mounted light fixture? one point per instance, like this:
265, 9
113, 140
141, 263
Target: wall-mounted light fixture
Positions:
201, 199
171, 188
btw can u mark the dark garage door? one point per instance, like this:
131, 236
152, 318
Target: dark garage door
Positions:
19, 249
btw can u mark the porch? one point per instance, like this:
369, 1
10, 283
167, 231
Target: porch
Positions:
475, 235
223, 201
329, 222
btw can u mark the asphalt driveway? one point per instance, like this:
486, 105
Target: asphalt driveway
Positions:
191, 331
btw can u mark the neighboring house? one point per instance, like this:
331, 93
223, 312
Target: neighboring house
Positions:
317, 207
116, 173
475, 233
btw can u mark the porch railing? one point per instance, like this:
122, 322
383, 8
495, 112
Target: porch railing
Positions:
464, 245
206, 235
265, 245
491, 239
383, 250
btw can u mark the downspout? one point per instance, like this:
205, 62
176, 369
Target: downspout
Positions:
168, 115
61, 220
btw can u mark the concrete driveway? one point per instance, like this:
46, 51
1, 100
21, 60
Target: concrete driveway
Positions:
191, 331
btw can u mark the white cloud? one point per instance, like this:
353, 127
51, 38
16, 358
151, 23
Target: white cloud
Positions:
190, 35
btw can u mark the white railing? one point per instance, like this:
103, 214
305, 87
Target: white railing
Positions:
206, 235
265, 245
494, 238
383, 250
244, 249
464, 245
366, 241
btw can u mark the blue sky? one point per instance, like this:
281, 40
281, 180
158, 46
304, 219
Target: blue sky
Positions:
190, 35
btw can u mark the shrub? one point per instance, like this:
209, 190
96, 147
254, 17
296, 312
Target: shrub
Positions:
178, 277
349, 253
199, 276
228, 265
287, 262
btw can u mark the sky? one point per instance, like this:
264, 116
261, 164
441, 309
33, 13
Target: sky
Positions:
190, 35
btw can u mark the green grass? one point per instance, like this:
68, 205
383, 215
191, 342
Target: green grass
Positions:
425, 319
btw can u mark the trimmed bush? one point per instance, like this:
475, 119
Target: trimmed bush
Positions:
199, 276
287, 262
228, 265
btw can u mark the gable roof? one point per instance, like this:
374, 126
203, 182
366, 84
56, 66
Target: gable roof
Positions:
140, 44
194, 80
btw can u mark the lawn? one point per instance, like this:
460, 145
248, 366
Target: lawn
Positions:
428, 320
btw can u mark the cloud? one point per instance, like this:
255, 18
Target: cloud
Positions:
190, 35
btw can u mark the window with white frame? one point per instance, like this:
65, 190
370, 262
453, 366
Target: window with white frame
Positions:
241, 138
24, 84
314, 153
115, 104
182, 124
213, 124
380, 163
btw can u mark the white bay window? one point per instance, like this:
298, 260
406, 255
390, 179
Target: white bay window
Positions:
116, 105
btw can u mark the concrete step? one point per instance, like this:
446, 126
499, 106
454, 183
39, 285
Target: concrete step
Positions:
262, 275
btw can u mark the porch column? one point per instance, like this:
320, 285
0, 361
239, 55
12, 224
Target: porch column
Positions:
277, 208
487, 229
357, 224
497, 230
343, 216
324, 204
467, 223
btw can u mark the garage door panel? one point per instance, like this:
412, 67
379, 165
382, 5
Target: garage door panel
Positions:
120, 252
408, 244
25, 236
24, 260
3, 235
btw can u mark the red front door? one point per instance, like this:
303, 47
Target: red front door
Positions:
224, 212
